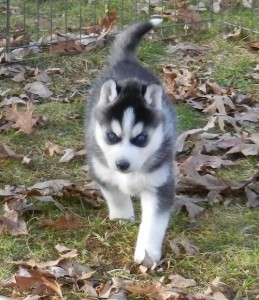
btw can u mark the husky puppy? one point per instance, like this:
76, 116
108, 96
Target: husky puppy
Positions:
130, 139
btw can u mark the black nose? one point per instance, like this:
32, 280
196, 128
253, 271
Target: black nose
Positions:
122, 165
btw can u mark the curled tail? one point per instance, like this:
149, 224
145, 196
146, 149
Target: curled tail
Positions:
125, 44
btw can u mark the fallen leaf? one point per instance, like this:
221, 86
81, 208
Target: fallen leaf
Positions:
178, 281
11, 222
156, 290
182, 138
68, 155
50, 187
233, 35
201, 161
191, 17
253, 46
62, 248
6, 151
54, 149
108, 23
189, 248
252, 193
218, 290
65, 48
19, 77
63, 222
36, 281
89, 290
23, 120
11, 101
245, 149
20, 205
186, 47
193, 209
38, 88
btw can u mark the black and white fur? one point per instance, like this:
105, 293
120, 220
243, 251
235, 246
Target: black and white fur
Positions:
130, 141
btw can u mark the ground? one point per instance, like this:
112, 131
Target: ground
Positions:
226, 235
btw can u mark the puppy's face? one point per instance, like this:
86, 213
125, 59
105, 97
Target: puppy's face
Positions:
128, 124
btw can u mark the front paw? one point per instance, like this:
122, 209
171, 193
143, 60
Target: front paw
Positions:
123, 218
147, 255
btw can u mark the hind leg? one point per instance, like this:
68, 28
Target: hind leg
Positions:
119, 204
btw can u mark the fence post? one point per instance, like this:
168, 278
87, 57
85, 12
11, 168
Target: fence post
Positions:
8, 34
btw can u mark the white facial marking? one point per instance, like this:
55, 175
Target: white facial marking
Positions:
116, 128
137, 129
128, 121
124, 150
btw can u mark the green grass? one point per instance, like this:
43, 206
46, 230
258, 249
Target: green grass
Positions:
227, 236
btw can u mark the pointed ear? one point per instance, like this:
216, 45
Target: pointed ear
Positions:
109, 92
153, 95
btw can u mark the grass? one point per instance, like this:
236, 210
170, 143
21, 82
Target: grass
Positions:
227, 236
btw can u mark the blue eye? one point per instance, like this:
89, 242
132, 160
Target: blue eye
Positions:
140, 140
112, 137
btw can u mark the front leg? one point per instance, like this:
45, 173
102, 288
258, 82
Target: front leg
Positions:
119, 204
155, 218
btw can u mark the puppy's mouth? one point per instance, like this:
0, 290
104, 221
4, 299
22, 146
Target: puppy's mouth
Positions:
124, 171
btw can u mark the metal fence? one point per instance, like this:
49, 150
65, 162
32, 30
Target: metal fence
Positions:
237, 14
32, 26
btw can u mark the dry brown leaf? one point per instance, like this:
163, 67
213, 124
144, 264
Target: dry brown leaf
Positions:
182, 138
245, 149
178, 281
42, 76
11, 101
253, 46
54, 149
233, 35
252, 193
38, 88
188, 203
222, 120
10, 221
6, 151
218, 290
62, 248
37, 281
214, 197
74, 191
20, 205
189, 248
89, 290
201, 161
66, 48
156, 291
23, 120
68, 155
186, 47
108, 23
48, 188
189, 179
63, 222
19, 77
219, 104
190, 16
180, 82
